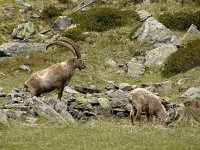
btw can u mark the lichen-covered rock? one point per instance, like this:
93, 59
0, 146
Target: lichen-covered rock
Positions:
13, 49
154, 33
135, 69
159, 55
24, 30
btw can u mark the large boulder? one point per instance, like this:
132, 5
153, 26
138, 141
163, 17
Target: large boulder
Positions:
24, 30
154, 33
12, 49
158, 55
61, 23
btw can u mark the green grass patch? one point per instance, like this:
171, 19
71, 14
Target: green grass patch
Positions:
180, 20
108, 135
184, 59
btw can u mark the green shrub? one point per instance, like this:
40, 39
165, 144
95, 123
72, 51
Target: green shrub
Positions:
103, 18
180, 20
50, 12
184, 59
74, 34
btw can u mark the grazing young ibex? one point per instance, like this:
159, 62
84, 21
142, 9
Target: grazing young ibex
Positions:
143, 100
56, 76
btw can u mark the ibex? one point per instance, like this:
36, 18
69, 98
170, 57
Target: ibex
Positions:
142, 100
56, 76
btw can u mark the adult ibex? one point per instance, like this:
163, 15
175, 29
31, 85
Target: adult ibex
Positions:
143, 100
56, 76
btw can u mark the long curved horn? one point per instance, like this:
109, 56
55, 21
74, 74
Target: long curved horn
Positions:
63, 44
69, 41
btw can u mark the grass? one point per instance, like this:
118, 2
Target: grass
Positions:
108, 135
105, 133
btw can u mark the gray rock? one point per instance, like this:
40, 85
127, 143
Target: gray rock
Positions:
138, 59
118, 99
69, 90
26, 68
87, 89
110, 63
182, 80
193, 92
23, 3
135, 69
42, 109
24, 30
159, 55
191, 31
2, 93
104, 102
154, 33
125, 87
15, 113
13, 49
3, 116
143, 15
61, 23
167, 85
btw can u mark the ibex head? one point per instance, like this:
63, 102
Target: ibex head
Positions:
77, 62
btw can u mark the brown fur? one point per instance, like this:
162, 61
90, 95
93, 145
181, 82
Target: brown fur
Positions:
143, 100
54, 77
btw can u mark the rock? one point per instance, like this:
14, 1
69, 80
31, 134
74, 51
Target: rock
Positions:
31, 120
13, 49
192, 93
69, 90
24, 30
154, 33
3, 116
61, 23
138, 59
15, 113
104, 102
2, 93
190, 32
182, 80
87, 89
159, 55
118, 99
143, 14
167, 85
42, 109
23, 3
110, 63
26, 68
135, 69
125, 87
149, 87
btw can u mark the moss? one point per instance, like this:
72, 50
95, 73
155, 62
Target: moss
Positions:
103, 18
74, 34
184, 59
180, 20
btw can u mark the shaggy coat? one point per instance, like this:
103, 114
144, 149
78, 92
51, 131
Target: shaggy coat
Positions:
142, 100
